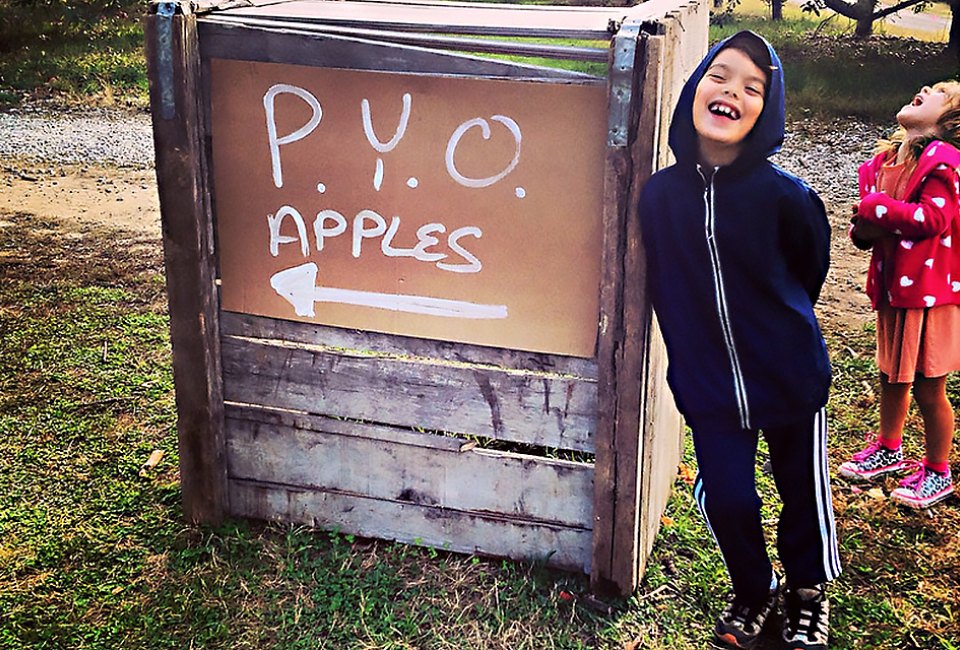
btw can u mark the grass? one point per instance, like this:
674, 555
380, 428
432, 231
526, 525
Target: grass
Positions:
99, 60
94, 553
830, 75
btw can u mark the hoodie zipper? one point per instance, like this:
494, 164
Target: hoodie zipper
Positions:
723, 312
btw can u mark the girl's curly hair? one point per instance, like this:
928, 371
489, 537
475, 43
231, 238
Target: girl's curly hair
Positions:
947, 128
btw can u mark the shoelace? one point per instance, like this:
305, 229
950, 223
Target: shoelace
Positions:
736, 613
809, 623
914, 480
741, 614
869, 451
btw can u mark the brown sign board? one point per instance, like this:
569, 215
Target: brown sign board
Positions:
449, 208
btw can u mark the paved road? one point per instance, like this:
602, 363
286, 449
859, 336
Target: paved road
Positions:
935, 26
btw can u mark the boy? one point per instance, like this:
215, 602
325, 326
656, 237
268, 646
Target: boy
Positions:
737, 252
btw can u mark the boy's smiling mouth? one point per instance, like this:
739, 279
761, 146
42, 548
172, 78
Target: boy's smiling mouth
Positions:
724, 110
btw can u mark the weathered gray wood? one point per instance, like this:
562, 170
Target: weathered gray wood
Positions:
247, 325
630, 503
543, 410
351, 428
482, 534
378, 462
662, 444
588, 23
223, 40
177, 104
475, 45
683, 45
303, 466
619, 359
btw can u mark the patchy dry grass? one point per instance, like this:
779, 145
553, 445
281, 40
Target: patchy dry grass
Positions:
94, 553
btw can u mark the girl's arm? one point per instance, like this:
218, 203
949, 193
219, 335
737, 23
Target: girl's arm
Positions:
931, 215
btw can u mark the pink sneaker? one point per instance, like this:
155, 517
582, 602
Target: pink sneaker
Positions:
873, 461
924, 488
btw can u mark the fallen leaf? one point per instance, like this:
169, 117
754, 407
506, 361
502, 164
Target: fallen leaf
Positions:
686, 474
151, 462
667, 521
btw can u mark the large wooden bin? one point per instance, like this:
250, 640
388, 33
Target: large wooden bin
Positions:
405, 276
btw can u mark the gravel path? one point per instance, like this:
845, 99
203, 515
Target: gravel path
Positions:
87, 136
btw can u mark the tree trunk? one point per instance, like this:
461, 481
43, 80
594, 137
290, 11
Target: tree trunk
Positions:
864, 18
776, 7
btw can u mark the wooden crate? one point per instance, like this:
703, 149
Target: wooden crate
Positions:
508, 451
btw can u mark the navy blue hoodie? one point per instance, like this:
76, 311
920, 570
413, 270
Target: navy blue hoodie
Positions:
736, 259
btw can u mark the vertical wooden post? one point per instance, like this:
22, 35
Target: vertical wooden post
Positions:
173, 66
625, 428
659, 429
616, 473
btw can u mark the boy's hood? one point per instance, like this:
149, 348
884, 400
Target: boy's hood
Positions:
765, 138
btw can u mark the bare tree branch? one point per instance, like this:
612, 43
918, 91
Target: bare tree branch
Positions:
892, 10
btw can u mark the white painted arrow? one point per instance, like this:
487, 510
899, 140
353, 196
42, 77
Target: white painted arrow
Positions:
298, 285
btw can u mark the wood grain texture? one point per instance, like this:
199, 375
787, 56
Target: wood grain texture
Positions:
543, 410
300, 46
179, 135
481, 534
405, 466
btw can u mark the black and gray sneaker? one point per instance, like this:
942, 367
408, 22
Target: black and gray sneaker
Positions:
806, 618
740, 623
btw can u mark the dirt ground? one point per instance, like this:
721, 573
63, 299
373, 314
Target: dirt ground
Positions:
82, 197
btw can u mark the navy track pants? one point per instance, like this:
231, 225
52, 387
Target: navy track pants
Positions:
725, 490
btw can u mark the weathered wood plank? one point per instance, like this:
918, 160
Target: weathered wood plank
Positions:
177, 104
473, 533
605, 474
632, 380
352, 428
615, 472
247, 325
542, 410
450, 18
457, 44
224, 40
377, 462
662, 443
683, 45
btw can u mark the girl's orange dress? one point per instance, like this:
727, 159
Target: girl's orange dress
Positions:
913, 341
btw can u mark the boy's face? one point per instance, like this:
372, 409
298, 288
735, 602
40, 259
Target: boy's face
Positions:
726, 105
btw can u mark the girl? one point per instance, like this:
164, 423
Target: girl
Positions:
909, 213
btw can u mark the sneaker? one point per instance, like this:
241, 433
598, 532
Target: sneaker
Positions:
873, 461
806, 618
739, 624
923, 489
